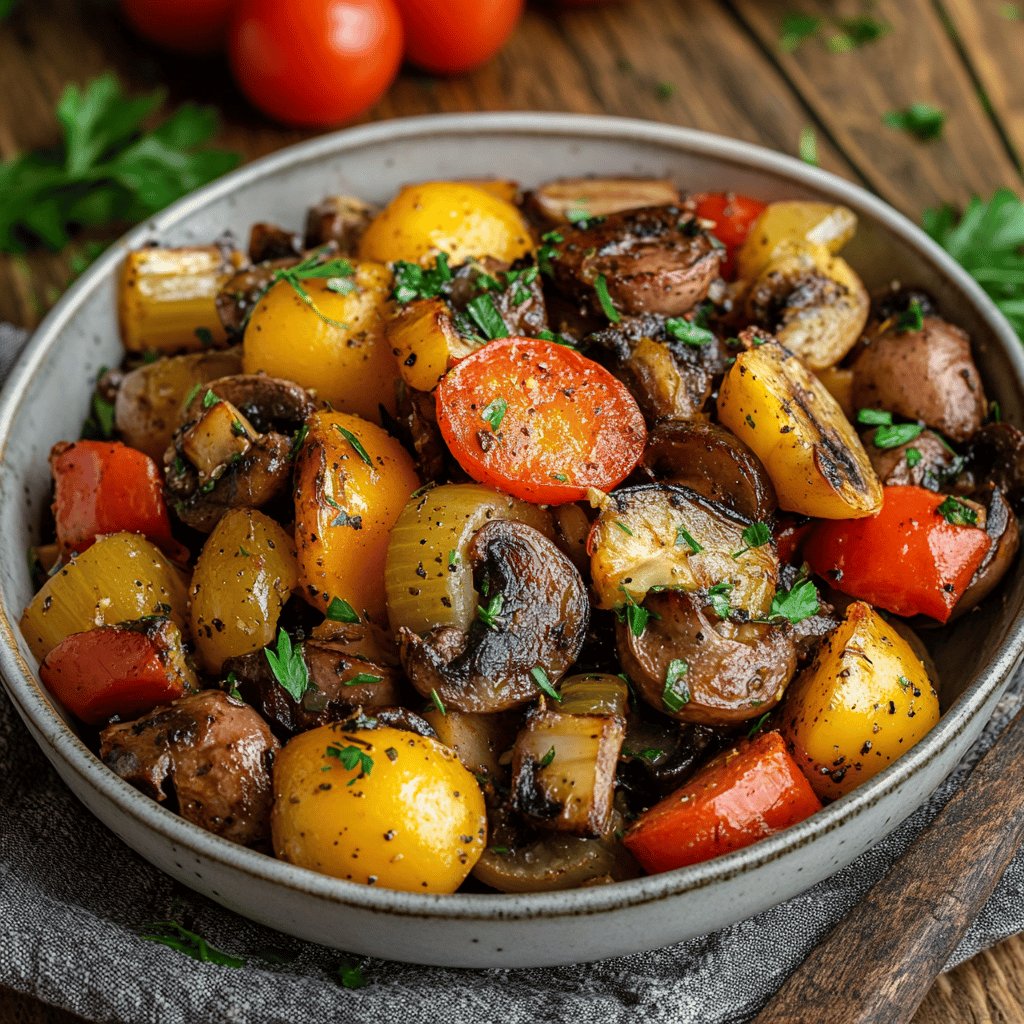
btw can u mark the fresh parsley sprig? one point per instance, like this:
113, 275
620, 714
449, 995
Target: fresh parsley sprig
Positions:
288, 666
177, 937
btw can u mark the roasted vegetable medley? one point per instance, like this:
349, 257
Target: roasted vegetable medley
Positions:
518, 541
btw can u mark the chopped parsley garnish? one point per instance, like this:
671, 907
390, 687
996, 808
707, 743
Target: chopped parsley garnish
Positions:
560, 477
354, 441
601, 288
807, 147
676, 694
547, 758
454, 558
540, 677
623, 527
911, 319
798, 603
437, 702
718, 598
343, 518
635, 615
205, 336
313, 268
546, 253
102, 419
688, 332
210, 400
649, 754
897, 434
558, 339
494, 412
484, 313
341, 611
758, 725
913, 456
351, 976
490, 616
288, 666
191, 396
796, 28
921, 120
175, 936
683, 536
665, 91
756, 535
297, 440
856, 32
414, 282
904, 682
874, 417
351, 757
955, 512
363, 679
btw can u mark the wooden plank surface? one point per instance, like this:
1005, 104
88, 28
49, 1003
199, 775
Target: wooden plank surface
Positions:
710, 64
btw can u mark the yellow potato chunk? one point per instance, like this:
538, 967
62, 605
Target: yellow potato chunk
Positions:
381, 807
864, 700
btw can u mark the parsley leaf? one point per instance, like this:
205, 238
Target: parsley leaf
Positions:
689, 333
756, 535
718, 598
355, 442
341, 611
683, 536
896, 434
107, 169
540, 677
758, 725
490, 616
363, 679
484, 313
547, 758
856, 32
437, 702
988, 241
601, 287
351, 976
351, 757
874, 417
798, 603
415, 282
288, 666
956, 512
175, 936
676, 693
494, 412
921, 120
795, 28
911, 319
636, 615
913, 456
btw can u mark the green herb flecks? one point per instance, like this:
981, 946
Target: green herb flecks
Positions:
807, 147
676, 693
911, 319
798, 603
635, 615
913, 456
341, 611
177, 937
484, 313
547, 758
688, 332
288, 666
718, 598
957, 513
351, 757
605, 299
436, 700
351, 976
494, 412
796, 28
683, 536
415, 282
756, 535
355, 442
921, 120
540, 677
490, 615
315, 267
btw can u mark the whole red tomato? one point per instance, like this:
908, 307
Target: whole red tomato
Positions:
188, 26
315, 63
456, 35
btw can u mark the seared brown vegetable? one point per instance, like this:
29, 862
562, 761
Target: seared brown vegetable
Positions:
927, 375
478, 740
273, 242
208, 754
995, 455
1001, 526
565, 199
713, 462
241, 292
338, 219
533, 619
692, 666
654, 260
927, 461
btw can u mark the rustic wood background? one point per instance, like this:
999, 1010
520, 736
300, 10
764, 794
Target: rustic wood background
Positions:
711, 64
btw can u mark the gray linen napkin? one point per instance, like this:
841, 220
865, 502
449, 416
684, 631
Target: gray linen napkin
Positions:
74, 900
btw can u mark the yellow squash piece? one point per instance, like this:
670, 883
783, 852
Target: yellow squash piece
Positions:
425, 343
381, 807
462, 220
352, 479
121, 578
349, 366
812, 453
864, 700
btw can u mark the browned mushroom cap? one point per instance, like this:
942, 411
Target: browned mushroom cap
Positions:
653, 260
273, 242
208, 752
925, 375
536, 611
234, 447
515, 290
352, 666
1001, 526
931, 467
338, 219
659, 754
713, 462
733, 672
996, 455
669, 379
555, 202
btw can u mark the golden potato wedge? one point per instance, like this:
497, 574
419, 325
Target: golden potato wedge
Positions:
424, 342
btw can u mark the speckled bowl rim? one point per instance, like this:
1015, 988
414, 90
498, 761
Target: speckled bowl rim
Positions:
51, 730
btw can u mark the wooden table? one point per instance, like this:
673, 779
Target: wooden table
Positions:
702, 63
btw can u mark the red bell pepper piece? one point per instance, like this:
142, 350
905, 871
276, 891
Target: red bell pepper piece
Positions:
908, 558
118, 670
737, 798
733, 216
790, 533
106, 487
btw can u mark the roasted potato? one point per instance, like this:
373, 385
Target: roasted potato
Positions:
864, 700
352, 480
796, 428
347, 362
464, 221
425, 343
243, 577
378, 806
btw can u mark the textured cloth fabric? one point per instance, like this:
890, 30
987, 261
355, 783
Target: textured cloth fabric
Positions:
74, 903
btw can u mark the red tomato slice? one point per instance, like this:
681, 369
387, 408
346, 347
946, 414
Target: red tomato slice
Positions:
540, 421
906, 559
737, 798
733, 216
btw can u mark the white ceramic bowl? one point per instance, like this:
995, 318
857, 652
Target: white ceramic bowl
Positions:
45, 400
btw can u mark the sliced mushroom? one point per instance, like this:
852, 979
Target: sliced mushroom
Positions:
566, 199
350, 666
713, 462
272, 242
536, 611
733, 672
927, 375
1001, 526
927, 461
338, 219
237, 455
653, 260
668, 378
660, 754
995, 455
209, 754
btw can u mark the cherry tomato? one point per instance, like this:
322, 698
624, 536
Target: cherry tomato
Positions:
917, 555
539, 421
196, 27
733, 216
315, 63
737, 798
457, 35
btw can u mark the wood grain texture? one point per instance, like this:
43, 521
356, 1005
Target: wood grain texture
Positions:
709, 64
